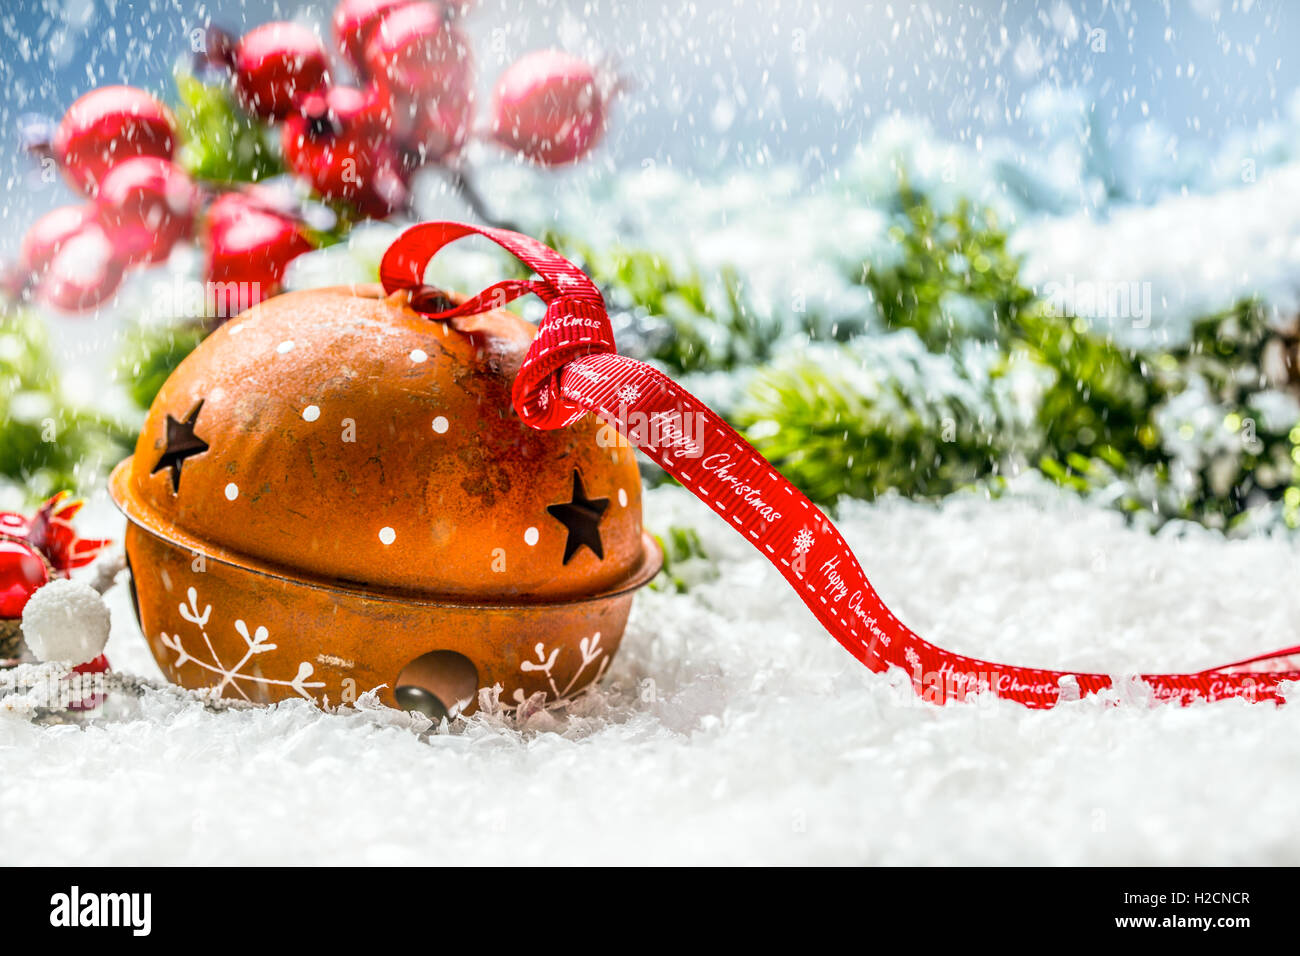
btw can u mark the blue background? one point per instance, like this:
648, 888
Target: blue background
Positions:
713, 84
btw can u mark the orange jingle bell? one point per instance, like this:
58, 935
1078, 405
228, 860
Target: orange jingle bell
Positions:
333, 493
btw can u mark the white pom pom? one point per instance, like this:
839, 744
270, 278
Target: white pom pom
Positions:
66, 621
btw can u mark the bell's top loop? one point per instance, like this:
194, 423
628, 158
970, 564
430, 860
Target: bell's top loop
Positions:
575, 324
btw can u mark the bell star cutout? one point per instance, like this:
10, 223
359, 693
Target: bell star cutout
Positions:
573, 368
182, 443
582, 517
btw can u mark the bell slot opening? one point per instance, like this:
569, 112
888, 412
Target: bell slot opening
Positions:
437, 684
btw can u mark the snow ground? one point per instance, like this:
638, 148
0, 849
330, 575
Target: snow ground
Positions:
732, 731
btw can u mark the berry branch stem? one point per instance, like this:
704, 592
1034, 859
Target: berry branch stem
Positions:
463, 185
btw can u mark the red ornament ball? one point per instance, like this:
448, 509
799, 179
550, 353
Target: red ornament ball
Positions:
14, 524
21, 572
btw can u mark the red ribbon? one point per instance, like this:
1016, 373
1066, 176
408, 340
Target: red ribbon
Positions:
573, 368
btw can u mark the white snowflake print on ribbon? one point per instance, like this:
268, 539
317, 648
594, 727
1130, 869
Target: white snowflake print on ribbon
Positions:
256, 643
543, 399
588, 647
628, 394
803, 541
913, 658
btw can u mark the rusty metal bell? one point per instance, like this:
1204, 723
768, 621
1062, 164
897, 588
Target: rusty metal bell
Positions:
333, 493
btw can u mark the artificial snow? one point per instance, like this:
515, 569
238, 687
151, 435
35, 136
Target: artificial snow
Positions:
731, 729
1186, 257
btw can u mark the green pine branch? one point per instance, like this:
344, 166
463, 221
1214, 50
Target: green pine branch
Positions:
685, 323
46, 443
151, 352
874, 416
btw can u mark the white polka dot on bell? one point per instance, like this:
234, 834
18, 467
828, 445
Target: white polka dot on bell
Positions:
419, 355
622, 498
232, 491
531, 536
440, 425
310, 413
387, 535
285, 346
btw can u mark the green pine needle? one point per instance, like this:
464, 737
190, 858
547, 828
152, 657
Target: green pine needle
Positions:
47, 444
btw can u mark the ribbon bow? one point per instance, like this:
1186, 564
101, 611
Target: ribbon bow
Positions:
573, 368
575, 324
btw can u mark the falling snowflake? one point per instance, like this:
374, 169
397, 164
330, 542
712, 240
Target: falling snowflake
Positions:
803, 541
257, 642
628, 394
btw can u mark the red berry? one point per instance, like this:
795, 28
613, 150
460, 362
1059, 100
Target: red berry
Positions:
338, 143
84, 273
109, 125
50, 233
412, 47
275, 63
423, 66
230, 206
147, 205
333, 139
70, 259
355, 22
21, 572
442, 122
548, 107
385, 190
250, 243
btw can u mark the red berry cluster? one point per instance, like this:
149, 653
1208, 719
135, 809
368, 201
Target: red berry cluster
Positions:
115, 147
412, 105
